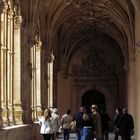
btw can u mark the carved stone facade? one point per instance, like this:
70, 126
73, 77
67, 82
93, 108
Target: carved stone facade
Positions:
91, 68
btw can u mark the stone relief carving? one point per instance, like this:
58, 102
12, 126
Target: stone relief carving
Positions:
93, 64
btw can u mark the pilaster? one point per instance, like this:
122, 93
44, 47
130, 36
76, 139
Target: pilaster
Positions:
26, 73
131, 87
137, 73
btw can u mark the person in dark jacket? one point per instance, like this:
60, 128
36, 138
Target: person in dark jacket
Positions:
116, 119
78, 118
104, 124
126, 125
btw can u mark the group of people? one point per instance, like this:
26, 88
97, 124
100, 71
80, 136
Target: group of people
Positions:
89, 123
124, 124
50, 124
93, 124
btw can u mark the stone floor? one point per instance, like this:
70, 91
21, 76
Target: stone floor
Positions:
73, 137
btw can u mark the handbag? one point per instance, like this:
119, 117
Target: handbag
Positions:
73, 125
60, 129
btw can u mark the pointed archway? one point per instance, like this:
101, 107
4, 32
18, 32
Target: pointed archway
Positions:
94, 97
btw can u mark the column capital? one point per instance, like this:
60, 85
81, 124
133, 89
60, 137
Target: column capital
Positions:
38, 42
50, 58
18, 21
11, 14
38, 45
1, 6
5, 8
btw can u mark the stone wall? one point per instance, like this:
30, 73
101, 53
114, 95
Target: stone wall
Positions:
21, 132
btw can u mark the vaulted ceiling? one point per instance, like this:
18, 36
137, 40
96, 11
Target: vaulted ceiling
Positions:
66, 24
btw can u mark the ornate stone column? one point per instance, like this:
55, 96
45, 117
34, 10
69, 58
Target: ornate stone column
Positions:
11, 67
38, 111
4, 72
50, 81
1, 10
17, 70
36, 105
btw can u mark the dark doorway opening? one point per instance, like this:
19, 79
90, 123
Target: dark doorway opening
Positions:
94, 97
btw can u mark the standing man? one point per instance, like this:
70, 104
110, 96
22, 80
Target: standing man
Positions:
105, 124
116, 119
66, 124
126, 125
55, 123
97, 122
78, 118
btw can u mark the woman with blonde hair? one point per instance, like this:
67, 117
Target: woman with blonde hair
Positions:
46, 125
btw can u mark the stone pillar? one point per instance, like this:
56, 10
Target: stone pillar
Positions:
33, 95
36, 105
38, 110
50, 82
26, 73
11, 68
4, 67
1, 10
137, 74
44, 78
17, 70
131, 88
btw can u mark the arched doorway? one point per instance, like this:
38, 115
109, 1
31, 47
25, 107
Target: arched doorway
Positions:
94, 97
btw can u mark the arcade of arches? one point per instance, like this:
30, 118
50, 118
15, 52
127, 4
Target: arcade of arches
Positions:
64, 54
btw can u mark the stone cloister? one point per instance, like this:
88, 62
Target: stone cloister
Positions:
64, 54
